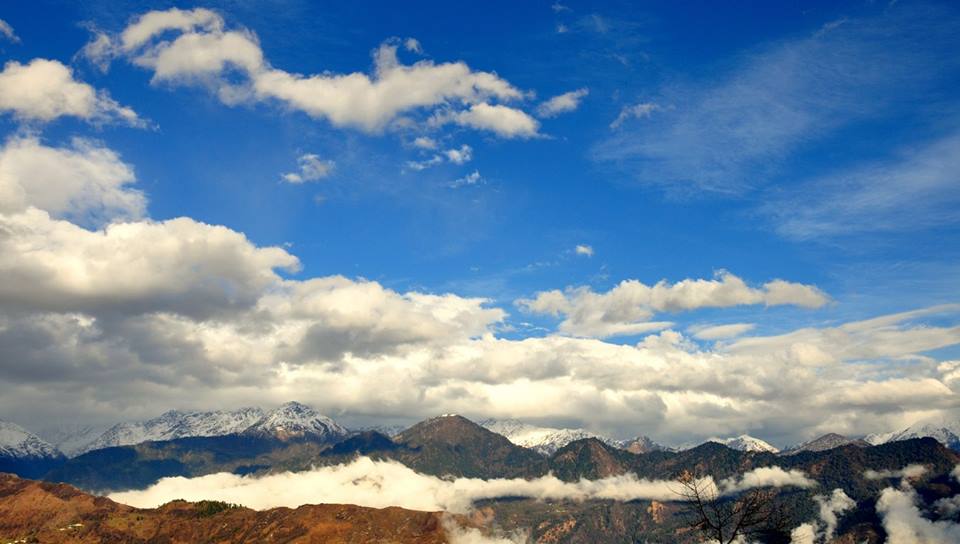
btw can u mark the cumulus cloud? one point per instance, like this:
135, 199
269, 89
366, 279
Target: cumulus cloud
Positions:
205, 52
503, 120
562, 103
460, 155
104, 310
43, 90
627, 308
179, 265
380, 484
7, 32
85, 182
425, 142
413, 45
311, 168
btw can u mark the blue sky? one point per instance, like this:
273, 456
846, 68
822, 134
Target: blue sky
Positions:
816, 143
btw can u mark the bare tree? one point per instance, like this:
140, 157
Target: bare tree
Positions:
752, 514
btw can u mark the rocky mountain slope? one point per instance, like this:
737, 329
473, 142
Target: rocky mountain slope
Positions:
454, 445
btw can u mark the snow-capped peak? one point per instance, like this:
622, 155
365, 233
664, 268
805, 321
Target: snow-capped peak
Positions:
544, 440
944, 430
745, 442
19, 443
295, 420
176, 424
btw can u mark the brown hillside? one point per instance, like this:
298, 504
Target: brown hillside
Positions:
41, 512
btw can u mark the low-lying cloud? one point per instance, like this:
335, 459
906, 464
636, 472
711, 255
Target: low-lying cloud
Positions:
379, 484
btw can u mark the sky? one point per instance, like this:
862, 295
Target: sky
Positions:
663, 220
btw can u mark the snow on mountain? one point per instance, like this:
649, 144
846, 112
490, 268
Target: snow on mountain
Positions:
176, 424
826, 442
19, 443
544, 440
72, 439
295, 420
946, 431
745, 442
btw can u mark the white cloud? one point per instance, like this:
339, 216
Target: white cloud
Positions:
424, 164
626, 308
562, 103
425, 142
767, 477
584, 250
413, 45
311, 168
153, 23
206, 53
85, 182
909, 472
43, 90
862, 340
503, 120
823, 530
913, 191
636, 111
459, 156
904, 523
380, 484
719, 332
178, 265
729, 133
138, 316
7, 32
472, 178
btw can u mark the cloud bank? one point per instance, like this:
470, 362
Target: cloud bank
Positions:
379, 484
106, 310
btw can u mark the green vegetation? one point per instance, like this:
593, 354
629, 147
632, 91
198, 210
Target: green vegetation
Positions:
206, 509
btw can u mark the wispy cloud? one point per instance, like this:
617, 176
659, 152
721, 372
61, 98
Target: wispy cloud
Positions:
730, 134
920, 188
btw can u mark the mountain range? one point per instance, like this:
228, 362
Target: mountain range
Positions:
294, 438
293, 421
